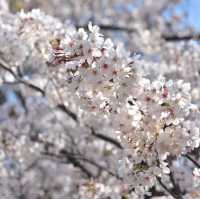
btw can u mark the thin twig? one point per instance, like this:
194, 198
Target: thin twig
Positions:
167, 189
170, 38
69, 112
176, 187
192, 160
19, 80
106, 138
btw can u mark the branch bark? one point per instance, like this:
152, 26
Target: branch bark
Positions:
170, 192
192, 160
19, 80
169, 38
106, 138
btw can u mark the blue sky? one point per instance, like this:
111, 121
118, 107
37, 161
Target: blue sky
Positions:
193, 9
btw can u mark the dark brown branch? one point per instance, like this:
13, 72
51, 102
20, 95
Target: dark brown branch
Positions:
68, 156
92, 162
73, 161
19, 80
32, 86
110, 28
76, 163
7, 68
167, 189
177, 38
69, 112
170, 38
154, 193
107, 139
26, 83
192, 160
101, 167
176, 188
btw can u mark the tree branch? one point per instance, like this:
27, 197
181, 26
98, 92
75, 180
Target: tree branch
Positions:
19, 80
92, 162
106, 138
110, 28
177, 38
192, 160
69, 112
68, 156
167, 189
170, 38
176, 188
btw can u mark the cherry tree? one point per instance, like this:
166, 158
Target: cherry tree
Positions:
86, 114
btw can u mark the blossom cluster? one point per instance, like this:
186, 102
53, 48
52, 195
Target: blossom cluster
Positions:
154, 119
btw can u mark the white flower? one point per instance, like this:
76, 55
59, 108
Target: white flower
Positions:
196, 173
